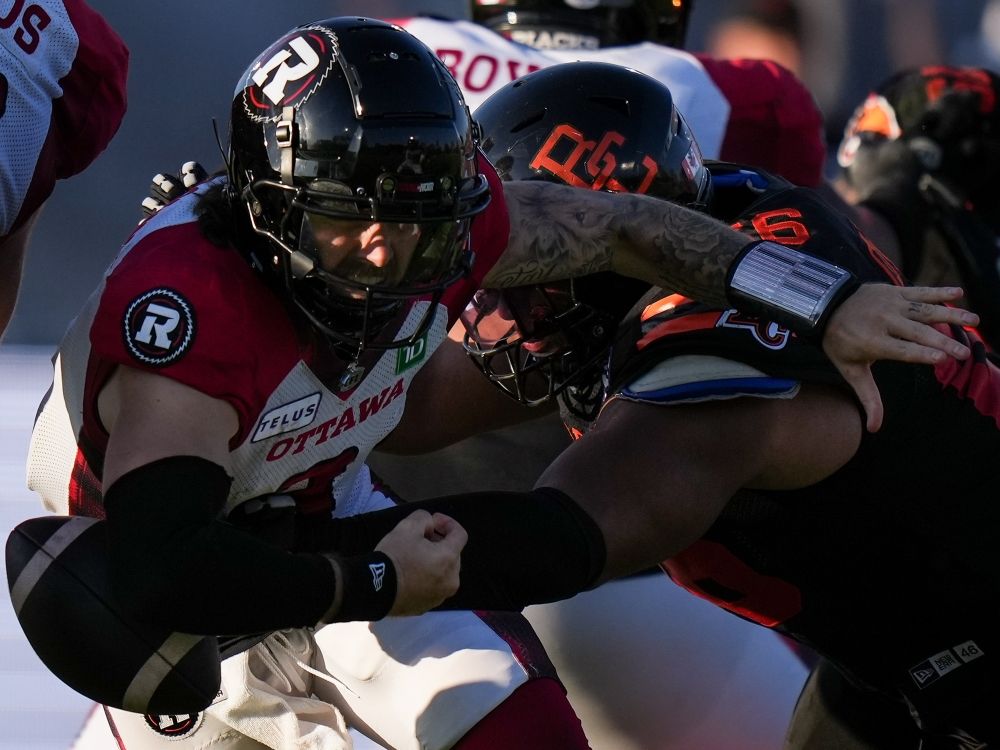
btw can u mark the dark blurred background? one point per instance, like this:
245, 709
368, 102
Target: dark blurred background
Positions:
186, 57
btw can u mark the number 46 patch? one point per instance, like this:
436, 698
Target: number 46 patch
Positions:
937, 666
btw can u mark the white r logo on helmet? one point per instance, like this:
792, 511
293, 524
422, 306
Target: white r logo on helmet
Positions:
289, 72
285, 74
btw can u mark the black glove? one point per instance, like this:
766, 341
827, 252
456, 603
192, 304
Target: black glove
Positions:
168, 187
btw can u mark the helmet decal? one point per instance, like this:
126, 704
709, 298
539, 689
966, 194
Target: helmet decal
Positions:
585, 24
940, 79
566, 146
289, 72
352, 119
158, 327
875, 115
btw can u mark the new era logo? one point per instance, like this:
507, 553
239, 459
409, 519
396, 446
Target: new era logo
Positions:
940, 664
923, 675
378, 574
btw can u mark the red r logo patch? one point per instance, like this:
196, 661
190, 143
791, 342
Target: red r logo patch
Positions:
159, 327
174, 726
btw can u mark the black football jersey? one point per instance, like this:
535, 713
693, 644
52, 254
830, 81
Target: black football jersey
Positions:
892, 561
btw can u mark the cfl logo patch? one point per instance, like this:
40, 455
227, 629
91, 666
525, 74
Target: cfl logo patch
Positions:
159, 327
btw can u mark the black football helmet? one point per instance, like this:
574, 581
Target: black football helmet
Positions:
348, 123
945, 120
923, 150
592, 125
585, 24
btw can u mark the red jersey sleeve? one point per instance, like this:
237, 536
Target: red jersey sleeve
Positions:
490, 232
774, 121
62, 98
188, 310
93, 103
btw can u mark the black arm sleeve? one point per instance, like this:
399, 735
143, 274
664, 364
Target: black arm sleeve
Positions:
524, 548
174, 562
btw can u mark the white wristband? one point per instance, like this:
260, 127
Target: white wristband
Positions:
790, 287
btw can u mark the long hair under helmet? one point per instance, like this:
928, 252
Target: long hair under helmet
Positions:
355, 120
596, 126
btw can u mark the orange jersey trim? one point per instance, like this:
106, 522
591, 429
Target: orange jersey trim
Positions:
694, 322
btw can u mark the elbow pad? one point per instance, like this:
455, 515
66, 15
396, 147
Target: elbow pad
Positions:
524, 547
175, 562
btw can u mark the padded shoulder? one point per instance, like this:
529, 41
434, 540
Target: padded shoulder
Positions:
693, 378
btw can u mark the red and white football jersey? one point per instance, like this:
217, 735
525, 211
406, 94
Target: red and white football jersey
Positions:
179, 306
62, 98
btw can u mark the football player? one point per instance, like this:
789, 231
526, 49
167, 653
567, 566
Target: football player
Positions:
918, 160
258, 337
62, 98
750, 111
722, 443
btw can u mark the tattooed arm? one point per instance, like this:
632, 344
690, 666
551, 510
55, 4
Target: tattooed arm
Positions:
560, 231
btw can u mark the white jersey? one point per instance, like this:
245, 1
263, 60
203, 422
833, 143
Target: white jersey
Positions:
482, 62
62, 97
745, 111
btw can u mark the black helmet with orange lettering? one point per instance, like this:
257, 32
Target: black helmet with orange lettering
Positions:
598, 126
595, 126
923, 150
947, 117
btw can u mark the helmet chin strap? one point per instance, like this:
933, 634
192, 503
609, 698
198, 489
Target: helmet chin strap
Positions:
285, 132
300, 264
285, 136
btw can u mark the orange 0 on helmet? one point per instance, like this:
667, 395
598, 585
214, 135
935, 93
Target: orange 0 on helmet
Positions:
595, 126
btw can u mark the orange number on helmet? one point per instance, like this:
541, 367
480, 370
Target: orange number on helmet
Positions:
942, 78
600, 161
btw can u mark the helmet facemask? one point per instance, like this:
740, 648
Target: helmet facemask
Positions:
345, 296
364, 193
535, 342
595, 126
